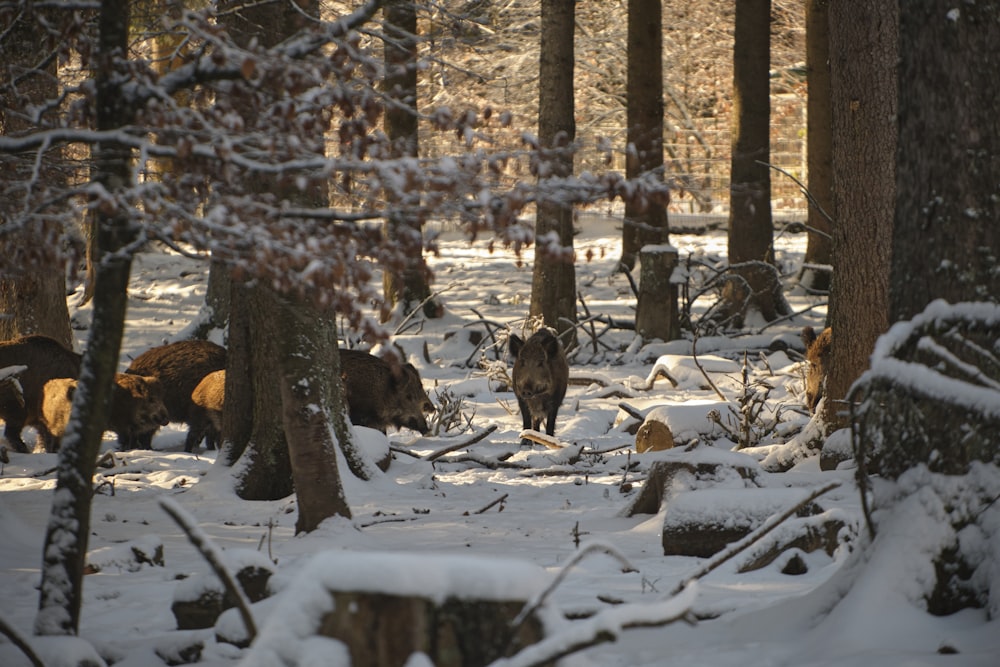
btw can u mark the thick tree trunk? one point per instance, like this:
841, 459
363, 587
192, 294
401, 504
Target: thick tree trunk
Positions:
309, 369
553, 286
751, 236
407, 284
278, 360
946, 234
69, 525
863, 48
34, 302
645, 223
252, 420
819, 139
32, 297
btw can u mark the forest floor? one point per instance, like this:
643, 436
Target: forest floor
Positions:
500, 502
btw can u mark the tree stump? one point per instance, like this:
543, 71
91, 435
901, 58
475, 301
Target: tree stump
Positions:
691, 530
385, 607
702, 467
750, 287
653, 436
656, 310
931, 395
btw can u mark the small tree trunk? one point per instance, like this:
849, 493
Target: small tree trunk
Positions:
656, 311
820, 144
69, 525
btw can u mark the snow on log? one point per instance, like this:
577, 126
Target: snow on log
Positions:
932, 394
384, 608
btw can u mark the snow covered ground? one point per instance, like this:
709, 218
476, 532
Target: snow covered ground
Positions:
422, 519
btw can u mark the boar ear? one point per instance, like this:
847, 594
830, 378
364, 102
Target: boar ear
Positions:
551, 345
515, 345
808, 336
70, 390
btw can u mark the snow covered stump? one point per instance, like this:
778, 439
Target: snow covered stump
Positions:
932, 394
383, 608
656, 310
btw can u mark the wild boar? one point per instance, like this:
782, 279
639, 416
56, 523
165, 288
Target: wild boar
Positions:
43, 359
540, 376
380, 395
136, 407
818, 357
206, 413
180, 367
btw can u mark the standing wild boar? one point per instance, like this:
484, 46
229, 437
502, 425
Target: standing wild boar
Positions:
136, 407
540, 376
43, 359
206, 413
379, 395
818, 355
180, 367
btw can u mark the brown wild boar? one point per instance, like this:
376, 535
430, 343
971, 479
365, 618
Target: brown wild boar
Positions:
540, 376
379, 395
206, 413
180, 367
818, 357
43, 359
136, 407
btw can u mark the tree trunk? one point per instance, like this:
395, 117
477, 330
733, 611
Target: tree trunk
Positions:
218, 293
750, 227
408, 284
645, 222
819, 139
863, 53
266, 418
69, 525
32, 296
553, 285
252, 411
310, 402
946, 234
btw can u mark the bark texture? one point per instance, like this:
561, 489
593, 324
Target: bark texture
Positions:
69, 523
553, 286
946, 235
645, 222
863, 51
750, 226
819, 139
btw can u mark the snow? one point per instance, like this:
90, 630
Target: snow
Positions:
457, 526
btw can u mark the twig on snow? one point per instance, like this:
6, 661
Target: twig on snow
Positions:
748, 541
18, 640
498, 500
605, 626
467, 442
213, 556
694, 357
591, 547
